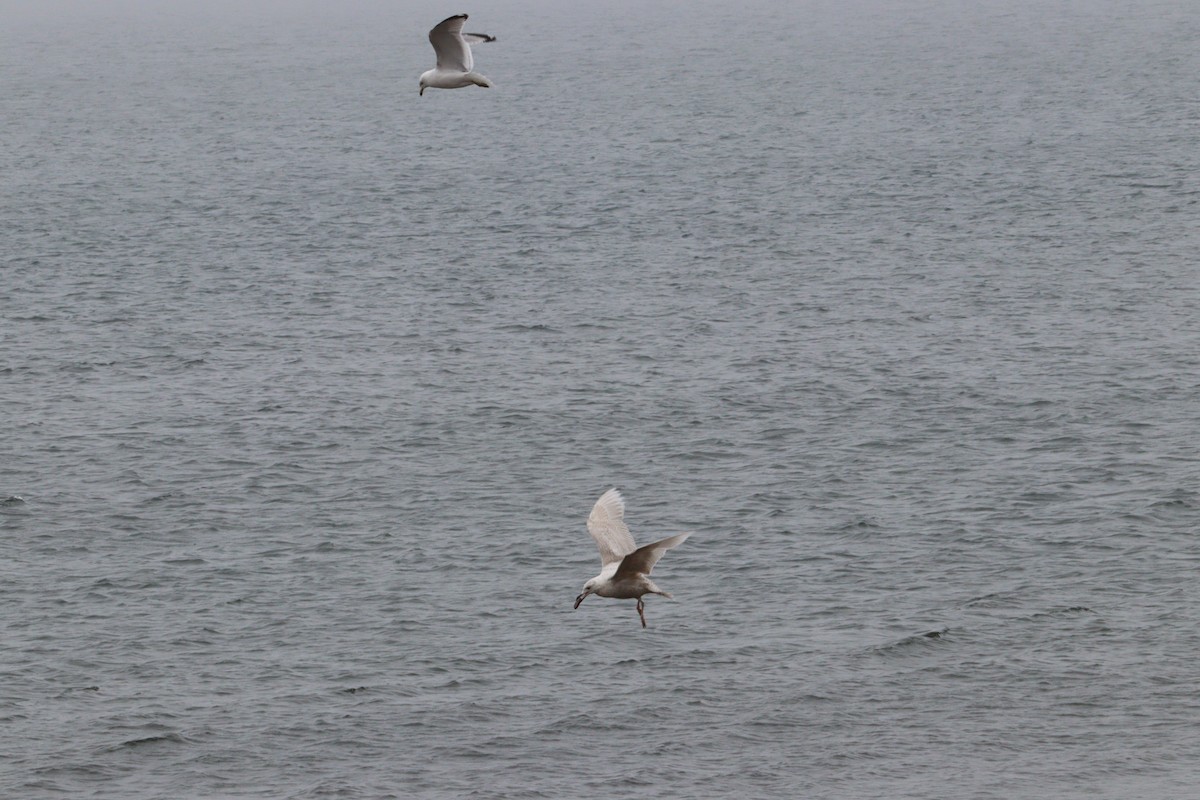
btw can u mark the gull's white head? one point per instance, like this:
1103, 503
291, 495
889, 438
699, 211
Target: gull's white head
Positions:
588, 588
425, 81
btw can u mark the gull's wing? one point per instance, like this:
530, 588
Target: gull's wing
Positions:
453, 54
607, 527
476, 38
645, 557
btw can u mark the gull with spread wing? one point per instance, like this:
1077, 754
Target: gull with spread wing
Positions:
626, 567
454, 68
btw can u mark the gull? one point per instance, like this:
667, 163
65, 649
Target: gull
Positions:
454, 62
626, 567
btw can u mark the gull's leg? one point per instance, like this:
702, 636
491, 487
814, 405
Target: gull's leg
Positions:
641, 606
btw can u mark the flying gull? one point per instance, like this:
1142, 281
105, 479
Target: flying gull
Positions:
454, 62
626, 567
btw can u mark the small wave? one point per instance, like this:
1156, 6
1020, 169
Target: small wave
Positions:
995, 600
918, 642
859, 525
169, 738
1065, 611
534, 328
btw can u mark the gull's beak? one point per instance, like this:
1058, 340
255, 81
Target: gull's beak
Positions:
422, 92
579, 599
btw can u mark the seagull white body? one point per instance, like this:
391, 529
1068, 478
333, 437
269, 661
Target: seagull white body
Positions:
625, 572
455, 66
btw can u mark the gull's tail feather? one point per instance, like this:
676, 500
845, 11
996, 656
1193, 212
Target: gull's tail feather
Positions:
652, 588
479, 80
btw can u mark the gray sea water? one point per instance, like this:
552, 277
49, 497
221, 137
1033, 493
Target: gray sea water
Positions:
308, 385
